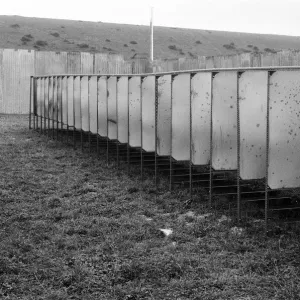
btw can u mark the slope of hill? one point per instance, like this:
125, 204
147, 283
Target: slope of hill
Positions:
132, 40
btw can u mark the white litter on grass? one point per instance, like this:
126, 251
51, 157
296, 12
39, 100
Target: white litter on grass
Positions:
236, 231
146, 218
203, 217
224, 219
167, 232
190, 214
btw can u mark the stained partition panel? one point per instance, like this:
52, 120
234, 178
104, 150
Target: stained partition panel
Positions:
51, 99
93, 104
284, 130
112, 107
122, 106
55, 105
201, 117
84, 92
59, 99
64, 102
70, 95
253, 95
77, 102
135, 111
181, 117
164, 115
224, 119
148, 113
46, 97
102, 106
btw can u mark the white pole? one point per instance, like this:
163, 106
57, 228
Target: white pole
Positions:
151, 36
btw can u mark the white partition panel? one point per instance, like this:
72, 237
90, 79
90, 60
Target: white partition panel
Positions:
93, 104
102, 106
42, 97
64, 100
59, 99
84, 91
77, 102
122, 109
112, 107
135, 111
38, 97
51, 99
181, 91
46, 97
284, 130
55, 110
253, 94
224, 118
70, 94
164, 115
201, 118
148, 113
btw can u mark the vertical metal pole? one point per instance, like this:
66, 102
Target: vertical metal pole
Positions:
107, 131
171, 134
41, 106
89, 78
151, 36
267, 154
191, 124
61, 108
67, 101
238, 151
57, 113
81, 132
30, 101
128, 132
45, 108
74, 116
211, 145
117, 104
53, 117
97, 117
48, 121
141, 112
155, 154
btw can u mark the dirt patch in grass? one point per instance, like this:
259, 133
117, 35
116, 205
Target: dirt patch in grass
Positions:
73, 228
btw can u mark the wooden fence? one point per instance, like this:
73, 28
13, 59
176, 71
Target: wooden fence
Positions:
16, 67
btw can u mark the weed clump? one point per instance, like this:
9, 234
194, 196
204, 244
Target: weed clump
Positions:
40, 43
55, 34
83, 46
230, 46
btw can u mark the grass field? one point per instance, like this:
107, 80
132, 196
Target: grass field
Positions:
73, 228
133, 40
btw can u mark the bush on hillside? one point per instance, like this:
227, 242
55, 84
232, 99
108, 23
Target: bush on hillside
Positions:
55, 34
83, 46
40, 43
125, 45
230, 46
15, 26
198, 42
133, 42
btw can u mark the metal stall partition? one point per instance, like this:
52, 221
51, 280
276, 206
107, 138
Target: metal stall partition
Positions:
46, 105
224, 121
122, 109
253, 90
181, 89
70, 96
201, 118
59, 103
93, 103
84, 93
102, 106
148, 113
64, 99
112, 107
284, 130
51, 103
164, 115
135, 111
77, 103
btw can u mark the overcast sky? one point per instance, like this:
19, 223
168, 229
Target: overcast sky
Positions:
258, 16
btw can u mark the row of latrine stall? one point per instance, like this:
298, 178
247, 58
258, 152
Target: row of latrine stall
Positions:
232, 132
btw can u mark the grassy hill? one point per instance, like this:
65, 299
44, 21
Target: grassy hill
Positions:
132, 40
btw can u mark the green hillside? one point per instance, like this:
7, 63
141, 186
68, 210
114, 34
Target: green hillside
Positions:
132, 40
